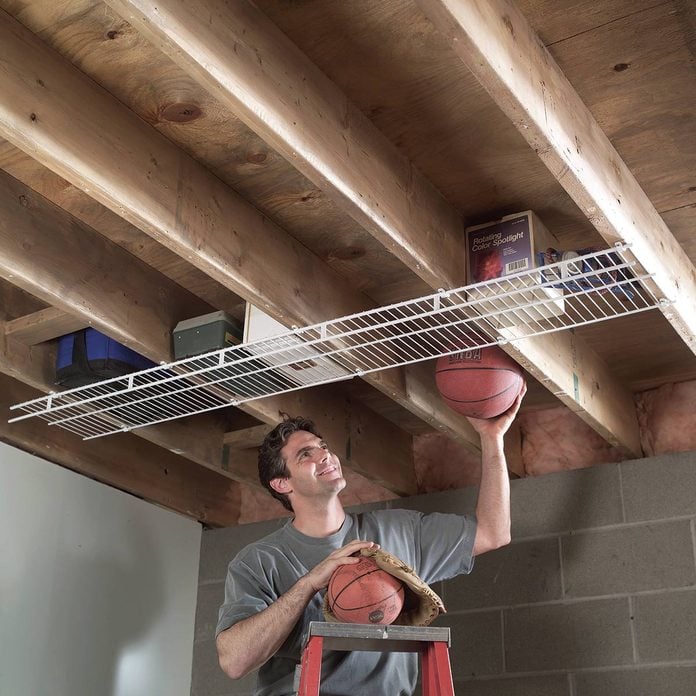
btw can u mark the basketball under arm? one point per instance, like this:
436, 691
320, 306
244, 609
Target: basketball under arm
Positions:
249, 643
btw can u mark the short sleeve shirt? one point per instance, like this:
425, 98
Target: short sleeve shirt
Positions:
438, 546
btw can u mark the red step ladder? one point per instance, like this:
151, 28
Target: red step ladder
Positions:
431, 642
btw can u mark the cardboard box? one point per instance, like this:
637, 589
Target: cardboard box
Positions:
258, 325
503, 248
204, 334
506, 246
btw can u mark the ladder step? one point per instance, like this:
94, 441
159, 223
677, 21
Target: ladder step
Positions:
430, 642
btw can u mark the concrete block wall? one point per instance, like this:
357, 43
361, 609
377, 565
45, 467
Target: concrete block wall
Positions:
596, 596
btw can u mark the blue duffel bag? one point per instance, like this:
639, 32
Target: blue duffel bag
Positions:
87, 356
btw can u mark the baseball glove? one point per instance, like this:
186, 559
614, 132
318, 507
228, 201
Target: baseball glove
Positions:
421, 605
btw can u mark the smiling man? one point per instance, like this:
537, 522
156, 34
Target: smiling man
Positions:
274, 586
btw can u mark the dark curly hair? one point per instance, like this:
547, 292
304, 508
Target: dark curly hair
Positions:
271, 463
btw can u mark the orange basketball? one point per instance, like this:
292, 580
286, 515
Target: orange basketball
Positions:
364, 593
481, 383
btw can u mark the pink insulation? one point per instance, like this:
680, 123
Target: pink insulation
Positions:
442, 464
667, 417
555, 439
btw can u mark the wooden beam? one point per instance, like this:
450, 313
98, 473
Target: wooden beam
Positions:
243, 461
498, 45
156, 187
33, 365
250, 65
586, 385
242, 58
247, 437
49, 254
55, 189
126, 462
169, 195
43, 325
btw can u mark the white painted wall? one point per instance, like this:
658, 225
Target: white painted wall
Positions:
97, 588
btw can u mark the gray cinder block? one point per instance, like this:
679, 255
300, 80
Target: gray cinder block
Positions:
568, 636
660, 487
666, 626
552, 685
628, 559
649, 681
521, 573
568, 500
476, 643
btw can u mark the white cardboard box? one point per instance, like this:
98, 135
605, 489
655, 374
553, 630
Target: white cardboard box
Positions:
258, 325
503, 248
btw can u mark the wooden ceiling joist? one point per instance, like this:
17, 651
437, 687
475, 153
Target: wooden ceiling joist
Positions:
248, 63
496, 42
55, 189
588, 388
242, 58
63, 119
125, 299
32, 365
43, 325
247, 437
167, 194
119, 295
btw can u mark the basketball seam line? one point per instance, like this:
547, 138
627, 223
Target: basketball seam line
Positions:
483, 398
366, 606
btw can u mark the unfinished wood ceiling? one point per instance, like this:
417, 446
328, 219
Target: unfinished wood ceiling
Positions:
318, 158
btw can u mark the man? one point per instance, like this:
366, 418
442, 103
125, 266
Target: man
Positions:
274, 587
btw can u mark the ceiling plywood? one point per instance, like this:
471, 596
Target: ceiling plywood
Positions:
642, 94
110, 51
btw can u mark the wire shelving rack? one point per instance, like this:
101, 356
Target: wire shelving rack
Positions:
586, 289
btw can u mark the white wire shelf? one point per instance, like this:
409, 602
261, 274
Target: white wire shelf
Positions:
587, 289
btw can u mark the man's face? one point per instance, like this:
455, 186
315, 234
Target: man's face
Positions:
314, 470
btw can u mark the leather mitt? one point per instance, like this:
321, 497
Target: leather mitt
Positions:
421, 605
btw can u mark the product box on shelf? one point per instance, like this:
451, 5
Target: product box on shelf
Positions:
497, 252
292, 361
204, 334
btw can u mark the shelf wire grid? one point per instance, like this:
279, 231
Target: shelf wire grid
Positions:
585, 289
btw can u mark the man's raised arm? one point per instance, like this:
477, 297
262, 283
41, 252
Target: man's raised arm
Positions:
493, 506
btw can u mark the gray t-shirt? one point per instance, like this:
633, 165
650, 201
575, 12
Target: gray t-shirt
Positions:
438, 546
